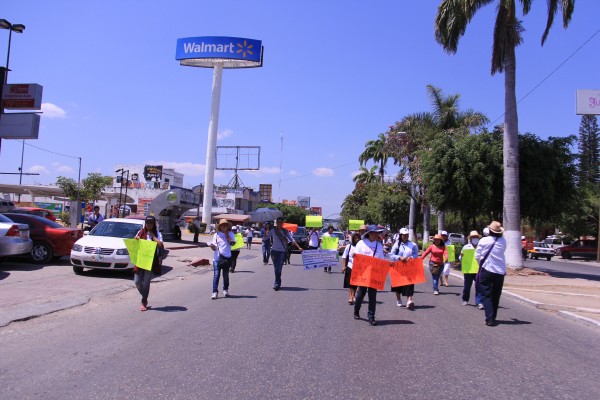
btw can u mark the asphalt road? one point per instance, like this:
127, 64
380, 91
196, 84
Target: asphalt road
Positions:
576, 268
300, 342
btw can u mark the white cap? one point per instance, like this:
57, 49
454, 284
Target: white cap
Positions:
404, 231
444, 233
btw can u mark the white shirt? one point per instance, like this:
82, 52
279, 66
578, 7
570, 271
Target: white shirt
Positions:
349, 254
408, 249
495, 262
368, 248
278, 244
313, 239
221, 241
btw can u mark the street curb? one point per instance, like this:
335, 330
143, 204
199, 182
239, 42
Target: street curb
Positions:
542, 306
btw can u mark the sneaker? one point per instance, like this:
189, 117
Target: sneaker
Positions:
214, 295
436, 292
480, 306
372, 321
356, 315
410, 305
225, 293
464, 303
399, 303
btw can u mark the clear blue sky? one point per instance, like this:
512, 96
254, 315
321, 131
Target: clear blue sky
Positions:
335, 75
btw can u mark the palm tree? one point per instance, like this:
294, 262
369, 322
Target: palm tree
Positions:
451, 23
376, 150
366, 175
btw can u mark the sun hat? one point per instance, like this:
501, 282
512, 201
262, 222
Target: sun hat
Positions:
362, 227
223, 221
496, 227
371, 228
404, 231
438, 236
473, 234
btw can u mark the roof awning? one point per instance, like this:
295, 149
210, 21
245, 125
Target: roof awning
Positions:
233, 217
52, 191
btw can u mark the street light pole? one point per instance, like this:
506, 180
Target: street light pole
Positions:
126, 186
120, 191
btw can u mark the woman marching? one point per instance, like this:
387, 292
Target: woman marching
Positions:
469, 278
347, 270
266, 243
221, 244
404, 250
439, 254
368, 246
142, 277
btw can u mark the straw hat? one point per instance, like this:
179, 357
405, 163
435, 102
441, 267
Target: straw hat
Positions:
474, 234
438, 236
496, 227
362, 228
223, 221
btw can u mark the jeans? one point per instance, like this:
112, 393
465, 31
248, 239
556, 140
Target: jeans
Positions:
466, 294
278, 258
360, 295
490, 286
435, 278
217, 273
266, 251
142, 279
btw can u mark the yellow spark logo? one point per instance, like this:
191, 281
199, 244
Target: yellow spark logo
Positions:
245, 49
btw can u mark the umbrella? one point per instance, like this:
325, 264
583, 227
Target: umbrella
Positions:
265, 214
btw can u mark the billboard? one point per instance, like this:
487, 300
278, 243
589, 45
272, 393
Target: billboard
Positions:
204, 50
588, 102
153, 173
22, 96
20, 126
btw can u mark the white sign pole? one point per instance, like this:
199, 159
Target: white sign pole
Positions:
211, 147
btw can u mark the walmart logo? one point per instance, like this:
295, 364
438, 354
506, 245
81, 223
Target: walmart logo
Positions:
245, 48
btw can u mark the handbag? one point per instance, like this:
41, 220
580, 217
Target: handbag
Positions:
435, 269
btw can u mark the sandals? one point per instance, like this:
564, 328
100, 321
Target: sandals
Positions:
143, 308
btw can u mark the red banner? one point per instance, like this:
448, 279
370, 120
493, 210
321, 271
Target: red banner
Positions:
407, 273
369, 271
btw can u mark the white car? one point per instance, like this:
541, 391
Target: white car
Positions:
103, 247
14, 238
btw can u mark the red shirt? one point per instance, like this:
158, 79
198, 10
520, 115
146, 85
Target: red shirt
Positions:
438, 254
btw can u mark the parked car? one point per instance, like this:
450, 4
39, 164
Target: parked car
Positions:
6, 205
103, 247
301, 237
456, 238
556, 242
50, 240
541, 249
41, 212
579, 248
14, 238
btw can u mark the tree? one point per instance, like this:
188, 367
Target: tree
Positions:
366, 175
292, 214
451, 22
376, 150
91, 186
588, 169
377, 204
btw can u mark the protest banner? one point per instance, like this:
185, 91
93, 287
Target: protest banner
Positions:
239, 241
409, 272
141, 252
451, 252
319, 259
369, 271
354, 224
329, 242
469, 263
314, 221
290, 227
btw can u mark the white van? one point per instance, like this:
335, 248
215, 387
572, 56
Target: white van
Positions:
6, 205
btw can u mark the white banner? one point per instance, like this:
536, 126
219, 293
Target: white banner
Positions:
319, 259
588, 102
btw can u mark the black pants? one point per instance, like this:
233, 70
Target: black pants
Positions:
360, 295
196, 233
490, 287
234, 256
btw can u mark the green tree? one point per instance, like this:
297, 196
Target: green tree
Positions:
451, 22
91, 186
292, 214
376, 151
366, 175
588, 169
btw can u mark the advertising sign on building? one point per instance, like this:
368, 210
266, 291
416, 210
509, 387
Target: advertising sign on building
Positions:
20, 126
588, 102
22, 96
153, 173
304, 201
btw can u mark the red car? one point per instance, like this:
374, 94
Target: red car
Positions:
50, 240
42, 212
579, 248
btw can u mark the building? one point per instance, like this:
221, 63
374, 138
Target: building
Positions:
266, 192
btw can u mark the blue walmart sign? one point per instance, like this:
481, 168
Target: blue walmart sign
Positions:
219, 47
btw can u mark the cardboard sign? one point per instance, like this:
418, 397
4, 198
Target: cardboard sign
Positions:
290, 227
141, 252
314, 221
319, 259
329, 242
369, 271
239, 241
354, 224
468, 262
409, 272
451, 253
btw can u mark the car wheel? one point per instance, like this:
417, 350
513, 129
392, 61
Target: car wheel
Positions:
536, 257
566, 255
41, 253
77, 270
548, 258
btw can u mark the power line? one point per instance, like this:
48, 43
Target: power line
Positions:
50, 151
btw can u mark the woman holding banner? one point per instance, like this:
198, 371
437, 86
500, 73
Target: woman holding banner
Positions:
329, 233
404, 250
347, 270
439, 254
469, 268
142, 277
368, 246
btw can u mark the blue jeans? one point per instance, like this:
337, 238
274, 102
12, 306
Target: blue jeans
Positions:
266, 251
466, 294
435, 278
490, 286
217, 274
278, 258
360, 295
142, 279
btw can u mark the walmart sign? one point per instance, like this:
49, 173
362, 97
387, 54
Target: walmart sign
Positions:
219, 47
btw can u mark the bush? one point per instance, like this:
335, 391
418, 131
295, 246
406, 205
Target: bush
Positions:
202, 227
65, 218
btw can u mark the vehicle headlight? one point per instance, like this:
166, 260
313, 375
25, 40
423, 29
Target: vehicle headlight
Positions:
122, 252
77, 247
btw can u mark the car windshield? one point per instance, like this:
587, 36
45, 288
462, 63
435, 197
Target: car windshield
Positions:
339, 235
540, 244
300, 231
5, 219
116, 229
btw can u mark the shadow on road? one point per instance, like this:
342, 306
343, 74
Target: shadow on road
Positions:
514, 321
292, 289
241, 271
231, 296
393, 322
572, 275
4, 275
168, 308
423, 307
